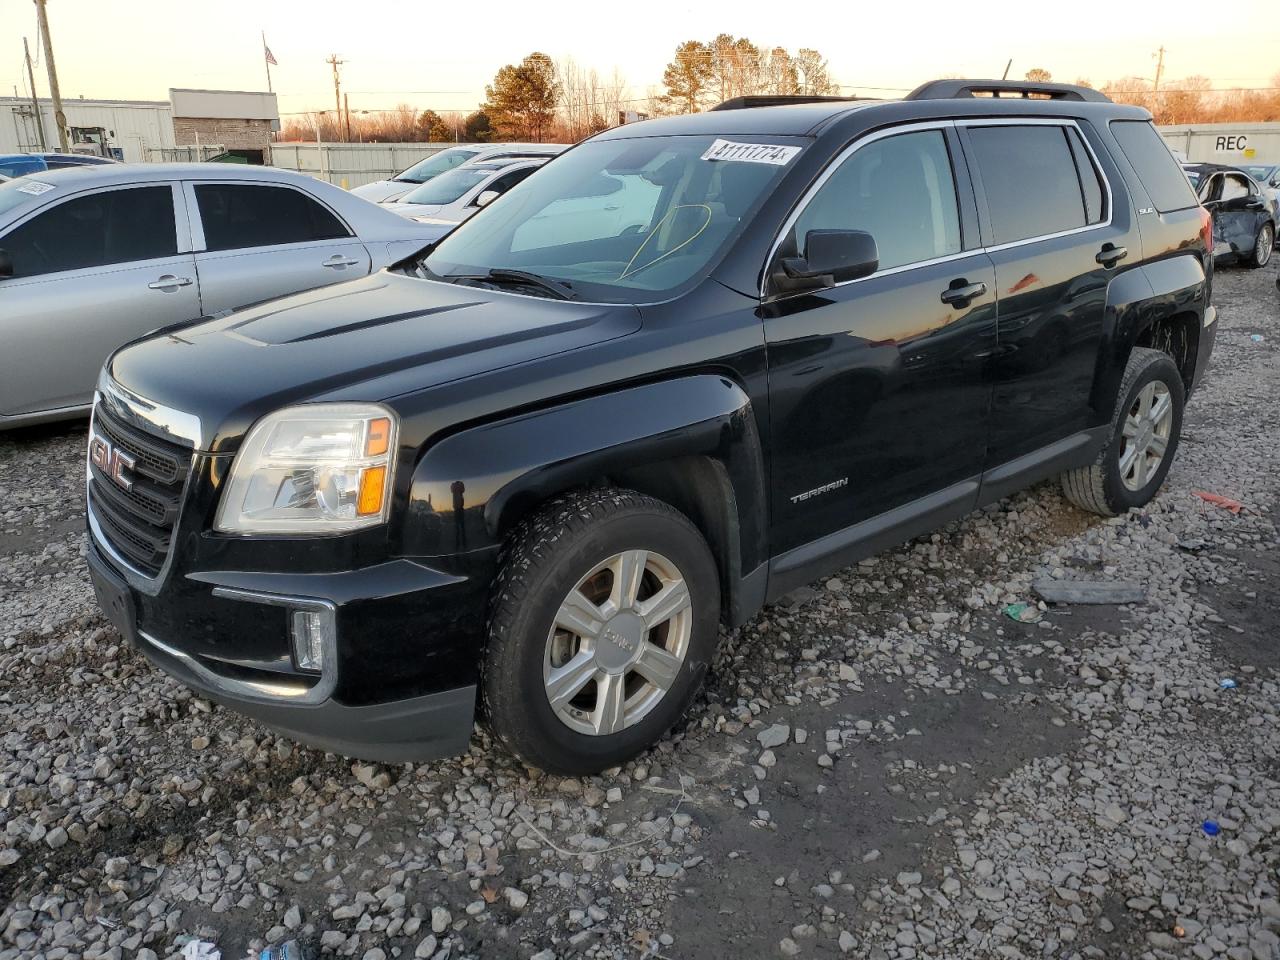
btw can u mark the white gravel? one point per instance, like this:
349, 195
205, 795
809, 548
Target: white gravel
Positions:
884, 766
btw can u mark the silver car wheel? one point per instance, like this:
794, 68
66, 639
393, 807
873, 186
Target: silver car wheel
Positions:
1262, 250
1144, 438
618, 642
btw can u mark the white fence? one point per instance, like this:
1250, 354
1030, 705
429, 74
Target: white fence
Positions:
1229, 143
351, 164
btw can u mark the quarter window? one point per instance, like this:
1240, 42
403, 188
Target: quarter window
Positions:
900, 190
1160, 174
1030, 179
115, 226
238, 215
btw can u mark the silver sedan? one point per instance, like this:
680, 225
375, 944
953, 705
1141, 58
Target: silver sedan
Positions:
93, 257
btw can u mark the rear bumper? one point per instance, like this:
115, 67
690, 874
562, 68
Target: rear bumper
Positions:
311, 709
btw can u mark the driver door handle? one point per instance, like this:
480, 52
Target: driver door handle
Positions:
338, 261
1110, 255
169, 282
961, 292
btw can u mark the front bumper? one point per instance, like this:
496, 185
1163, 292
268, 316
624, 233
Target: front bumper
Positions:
226, 635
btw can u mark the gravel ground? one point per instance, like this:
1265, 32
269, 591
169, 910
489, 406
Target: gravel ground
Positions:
883, 766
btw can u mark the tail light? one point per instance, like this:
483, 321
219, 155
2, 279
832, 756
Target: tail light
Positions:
1206, 230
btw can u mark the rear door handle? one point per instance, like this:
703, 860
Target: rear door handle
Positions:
169, 282
962, 291
1110, 255
338, 261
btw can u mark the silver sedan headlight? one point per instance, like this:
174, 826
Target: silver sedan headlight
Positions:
318, 468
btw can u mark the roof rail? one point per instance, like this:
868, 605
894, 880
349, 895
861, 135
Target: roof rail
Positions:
954, 89
780, 100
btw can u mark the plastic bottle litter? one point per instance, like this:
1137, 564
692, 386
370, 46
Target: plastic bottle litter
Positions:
1256, 337
1211, 828
1226, 683
289, 950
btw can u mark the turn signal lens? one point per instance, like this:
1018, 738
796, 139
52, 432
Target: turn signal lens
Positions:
372, 483
378, 438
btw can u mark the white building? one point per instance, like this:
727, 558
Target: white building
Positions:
128, 128
141, 130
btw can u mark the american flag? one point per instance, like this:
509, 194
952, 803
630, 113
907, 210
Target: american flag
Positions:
266, 51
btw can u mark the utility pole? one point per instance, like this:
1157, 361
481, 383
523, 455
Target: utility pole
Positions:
59, 117
334, 62
346, 109
1155, 86
35, 101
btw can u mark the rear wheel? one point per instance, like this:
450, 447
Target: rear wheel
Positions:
604, 618
1144, 438
1263, 245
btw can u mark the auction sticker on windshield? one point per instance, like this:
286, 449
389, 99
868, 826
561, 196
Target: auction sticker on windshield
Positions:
35, 188
778, 156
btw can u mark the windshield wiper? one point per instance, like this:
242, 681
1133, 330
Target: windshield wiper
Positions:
500, 275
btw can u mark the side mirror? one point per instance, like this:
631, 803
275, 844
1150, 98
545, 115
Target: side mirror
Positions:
831, 257
487, 197
6, 264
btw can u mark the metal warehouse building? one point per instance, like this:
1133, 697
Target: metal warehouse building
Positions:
140, 130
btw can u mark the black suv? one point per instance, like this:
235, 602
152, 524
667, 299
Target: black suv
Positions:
689, 365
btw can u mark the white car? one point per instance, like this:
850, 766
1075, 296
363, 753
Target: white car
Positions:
452, 197
388, 191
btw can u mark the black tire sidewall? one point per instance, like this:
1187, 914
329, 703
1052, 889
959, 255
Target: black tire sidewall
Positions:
545, 739
1160, 367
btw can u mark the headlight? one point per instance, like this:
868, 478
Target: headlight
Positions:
319, 468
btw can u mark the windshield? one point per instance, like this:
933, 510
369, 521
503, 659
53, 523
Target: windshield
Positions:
447, 187
433, 166
620, 220
1259, 171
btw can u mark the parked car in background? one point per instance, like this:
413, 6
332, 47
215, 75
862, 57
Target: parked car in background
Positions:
388, 191
91, 258
1244, 217
1267, 176
20, 164
447, 200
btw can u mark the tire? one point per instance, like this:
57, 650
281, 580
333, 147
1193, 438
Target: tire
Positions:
570, 553
1263, 244
1104, 487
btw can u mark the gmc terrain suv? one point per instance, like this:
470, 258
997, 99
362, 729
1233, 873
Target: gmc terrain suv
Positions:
689, 365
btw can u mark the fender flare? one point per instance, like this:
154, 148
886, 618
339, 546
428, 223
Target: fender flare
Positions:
470, 488
1136, 300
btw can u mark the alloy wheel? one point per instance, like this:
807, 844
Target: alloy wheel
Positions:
618, 642
1266, 241
1144, 438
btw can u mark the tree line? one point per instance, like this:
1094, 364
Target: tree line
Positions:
540, 100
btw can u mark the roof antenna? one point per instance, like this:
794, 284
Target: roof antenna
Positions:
1005, 76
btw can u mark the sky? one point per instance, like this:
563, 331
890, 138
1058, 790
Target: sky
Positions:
441, 55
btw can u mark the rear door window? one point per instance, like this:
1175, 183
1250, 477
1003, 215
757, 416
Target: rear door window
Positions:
115, 226
1030, 179
1160, 174
240, 215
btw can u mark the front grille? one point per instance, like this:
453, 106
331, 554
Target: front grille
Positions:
139, 522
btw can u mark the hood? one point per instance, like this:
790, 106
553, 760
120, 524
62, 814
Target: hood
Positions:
411, 210
383, 191
313, 346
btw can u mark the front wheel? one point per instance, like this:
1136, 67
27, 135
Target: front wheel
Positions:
1144, 438
604, 618
1263, 245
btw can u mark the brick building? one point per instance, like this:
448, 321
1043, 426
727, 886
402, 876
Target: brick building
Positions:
241, 121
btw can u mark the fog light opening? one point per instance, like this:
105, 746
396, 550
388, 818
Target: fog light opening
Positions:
312, 632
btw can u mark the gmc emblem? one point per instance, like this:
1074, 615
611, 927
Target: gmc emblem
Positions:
111, 461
